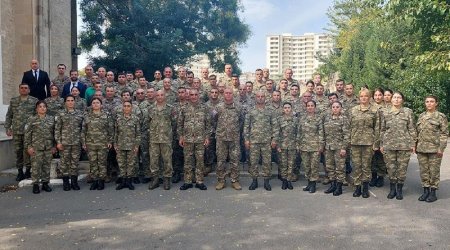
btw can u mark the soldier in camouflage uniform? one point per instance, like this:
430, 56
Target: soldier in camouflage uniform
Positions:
19, 110
210, 150
68, 141
55, 103
40, 145
364, 122
144, 156
288, 125
97, 138
127, 138
160, 123
194, 129
310, 142
61, 78
228, 118
432, 128
336, 133
246, 104
378, 164
171, 94
260, 129
178, 155
398, 140
80, 103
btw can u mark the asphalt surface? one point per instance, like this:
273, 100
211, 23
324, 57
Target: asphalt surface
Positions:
226, 219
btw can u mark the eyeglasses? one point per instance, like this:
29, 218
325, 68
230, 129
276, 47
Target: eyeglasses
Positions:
139, 93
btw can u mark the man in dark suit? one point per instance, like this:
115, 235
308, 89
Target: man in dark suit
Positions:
74, 82
38, 81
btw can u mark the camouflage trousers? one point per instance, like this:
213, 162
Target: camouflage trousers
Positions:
361, 159
144, 158
397, 164
70, 157
378, 164
127, 163
227, 149
430, 169
177, 157
310, 164
210, 152
161, 151
286, 163
335, 165
22, 157
261, 151
97, 163
193, 158
40, 163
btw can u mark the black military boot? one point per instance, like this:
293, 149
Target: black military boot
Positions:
154, 183
166, 183
312, 189
94, 185
267, 184
201, 186
373, 181
176, 178
307, 187
146, 180
66, 183
399, 191
380, 181
20, 175
136, 180
122, 184
365, 191
130, 183
392, 192
432, 196
28, 173
332, 188
283, 184
186, 186
338, 190
424, 196
357, 192
36, 189
289, 185
46, 187
254, 184
119, 180
74, 182
101, 184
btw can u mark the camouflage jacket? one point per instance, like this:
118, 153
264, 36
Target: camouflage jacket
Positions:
194, 123
127, 132
432, 131
288, 131
39, 133
18, 114
398, 130
229, 117
160, 124
68, 127
80, 104
97, 131
260, 126
54, 105
310, 136
364, 126
336, 131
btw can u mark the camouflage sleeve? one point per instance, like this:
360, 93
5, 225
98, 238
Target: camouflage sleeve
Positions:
382, 128
275, 128
138, 133
321, 135
116, 132
412, 129
28, 134
180, 123
298, 135
376, 142
110, 130
247, 126
9, 117
83, 132
443, 133
58, 128
208, 123
346, 131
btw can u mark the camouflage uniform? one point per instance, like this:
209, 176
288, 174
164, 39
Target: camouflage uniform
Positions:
60, 82
80, 104
310, 140
260, 129
364, 137
378, 163
109, 105
97, 132
68, 133
210, 150
54, 105
39, 135
287, 146
432, 131
337, 138
194, 125
143, 161
398, 136
16, 118
229, 117
277, 109
178, 154
161, 120
127, 137
246, 104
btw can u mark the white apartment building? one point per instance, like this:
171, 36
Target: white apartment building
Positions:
197, 62
296, 52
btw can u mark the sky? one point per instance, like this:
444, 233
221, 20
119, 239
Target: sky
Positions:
271, 17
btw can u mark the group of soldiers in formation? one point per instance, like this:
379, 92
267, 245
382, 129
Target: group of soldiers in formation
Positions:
169, 127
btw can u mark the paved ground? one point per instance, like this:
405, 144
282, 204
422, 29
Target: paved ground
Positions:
225, 219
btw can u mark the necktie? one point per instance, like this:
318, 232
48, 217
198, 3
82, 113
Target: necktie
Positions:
35, 75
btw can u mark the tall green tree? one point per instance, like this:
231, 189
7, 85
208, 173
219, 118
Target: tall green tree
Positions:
151, 34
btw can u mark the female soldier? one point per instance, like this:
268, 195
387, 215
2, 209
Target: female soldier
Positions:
40, 145
68, 142
432, 128
336, 141
80, 103
364, 138
55, 103
288, 130
398, 140
96, 138
378, 164
127, 139
310, 143
387, 97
